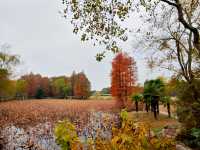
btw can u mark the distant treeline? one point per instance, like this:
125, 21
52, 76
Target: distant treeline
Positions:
104, 92
36, 86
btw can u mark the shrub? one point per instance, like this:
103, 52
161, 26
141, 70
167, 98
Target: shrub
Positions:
129, 136
39, 94
66, 136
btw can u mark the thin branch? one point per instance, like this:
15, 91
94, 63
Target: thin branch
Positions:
170, 3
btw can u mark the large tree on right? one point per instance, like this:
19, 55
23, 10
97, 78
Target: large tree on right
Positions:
123, 77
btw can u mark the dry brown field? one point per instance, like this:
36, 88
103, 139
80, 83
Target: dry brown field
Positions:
31, 112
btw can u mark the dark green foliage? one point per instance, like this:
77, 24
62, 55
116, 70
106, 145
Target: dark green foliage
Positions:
189, 103
39, 93
153, 91
189, 112
190, 137
154, 87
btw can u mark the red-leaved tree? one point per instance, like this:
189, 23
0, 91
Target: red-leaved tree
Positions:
82, 86
123, 77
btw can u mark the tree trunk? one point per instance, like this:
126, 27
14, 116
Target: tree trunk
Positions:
155, 114
146, 107
136, 106
169, 110
154, 110
154, 106
157, 106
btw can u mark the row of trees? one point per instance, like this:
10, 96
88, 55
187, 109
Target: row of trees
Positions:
154, 93
36, 86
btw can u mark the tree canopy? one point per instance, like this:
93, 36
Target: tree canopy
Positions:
123, 77
7, 63
101, 21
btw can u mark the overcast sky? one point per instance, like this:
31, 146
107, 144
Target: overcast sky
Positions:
46, 44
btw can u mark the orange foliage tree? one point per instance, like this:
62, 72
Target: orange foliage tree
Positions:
35, 82
123, 77
82, 86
